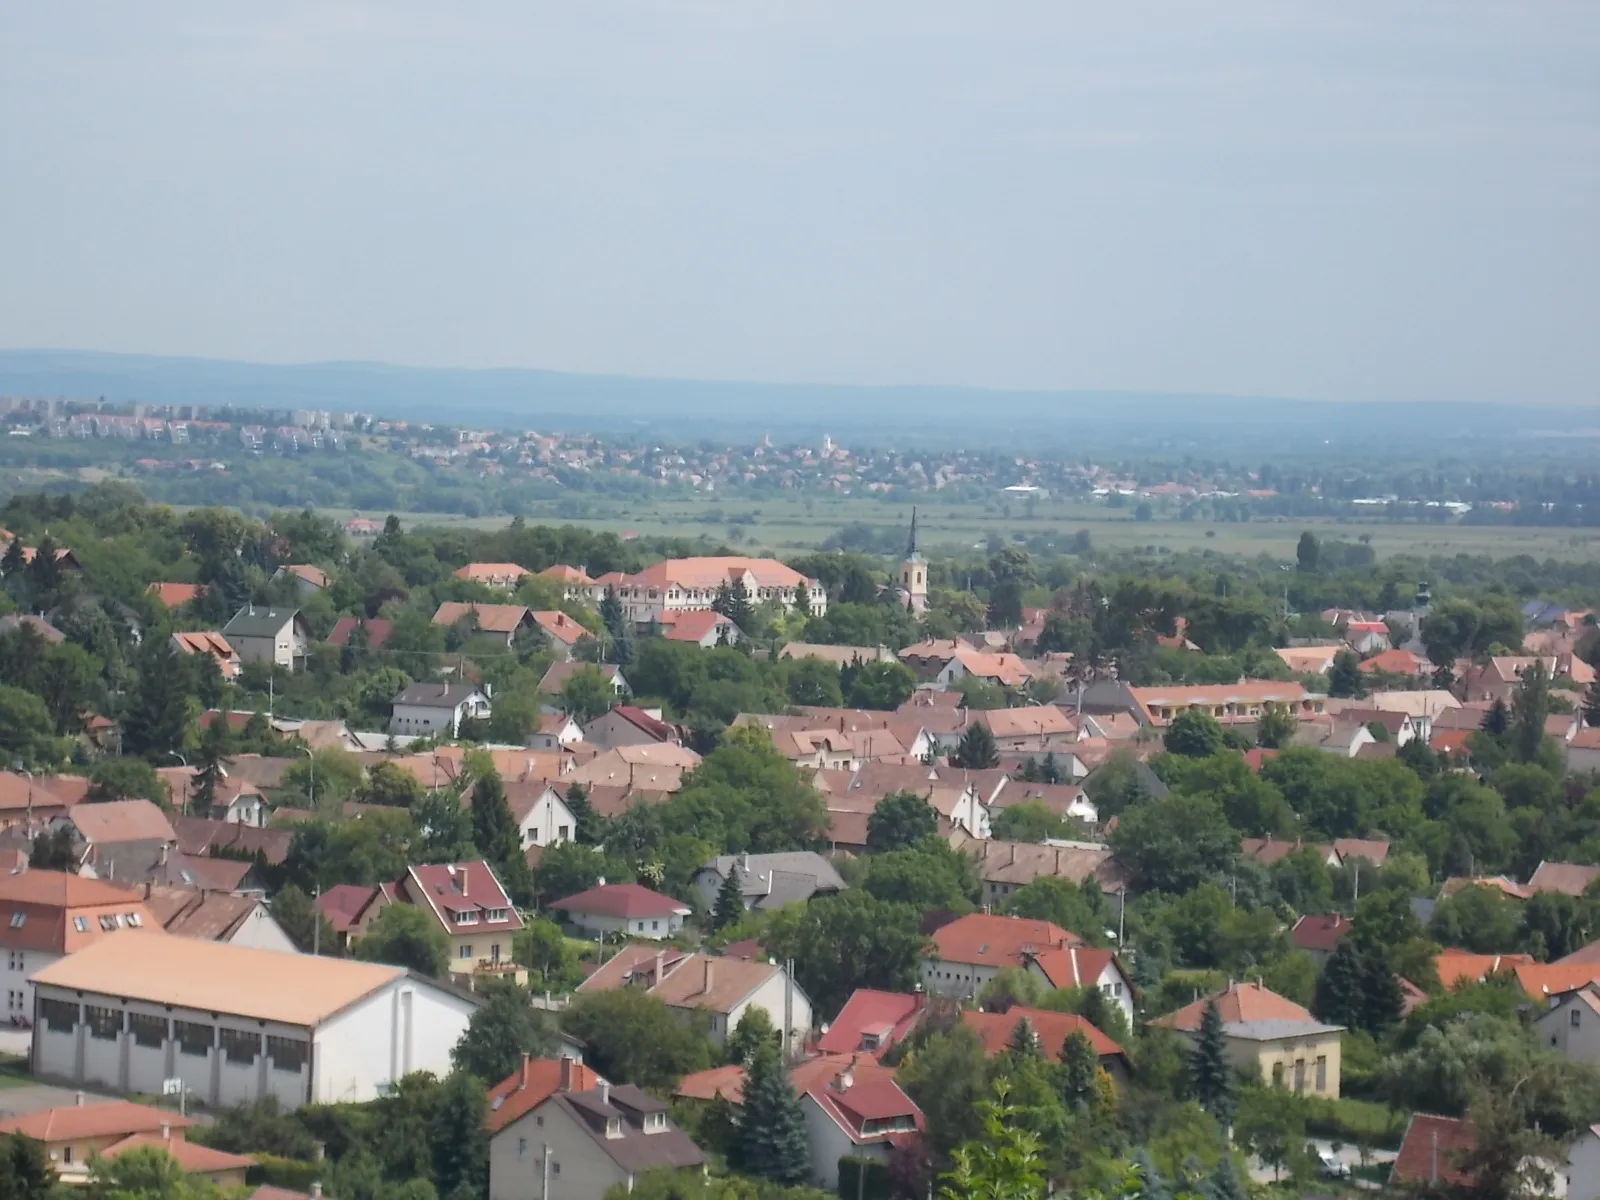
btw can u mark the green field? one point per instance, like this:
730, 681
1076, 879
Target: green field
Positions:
790, 525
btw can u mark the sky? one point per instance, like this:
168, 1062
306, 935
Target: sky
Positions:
1375, 201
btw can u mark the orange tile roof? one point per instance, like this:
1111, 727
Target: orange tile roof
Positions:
1459, 966
76, 1121
565, 574
702, 574
492, 618
1075, 966
1052, 1029
483, 572
561, 627
531, 1084
1542, 980
809, 1073
993, 941
191, 1157
1431, 1150
172, 595
1241, 1002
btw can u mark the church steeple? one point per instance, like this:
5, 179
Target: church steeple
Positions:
914, 572
911, 543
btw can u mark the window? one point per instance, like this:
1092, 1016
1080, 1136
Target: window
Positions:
60, 1016
654, 926
193, 1037
1322, 1073
134, 921
18, 919
81, 924
66, 1154
1576, 1017
287, 1054
555, 1168
240, 1045
466, 918
655, 1122
522, 1147
1277, 1074
147, 1030
613, 1127
1299, 1074
108, 922
464, 952
104, 1023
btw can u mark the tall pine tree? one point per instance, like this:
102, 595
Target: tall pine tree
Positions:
1208, 1063
1024, 1042
1591, 705
1338, 996
585, 828
158, 714
494, 833
1225, 1183
977, 751
1382, 1001
1080, 1077
730, 900
772, 1141
216, 743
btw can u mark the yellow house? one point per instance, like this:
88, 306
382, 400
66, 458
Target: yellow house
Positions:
76, 1134
1268, 1034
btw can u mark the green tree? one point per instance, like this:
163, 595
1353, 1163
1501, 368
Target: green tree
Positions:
1382, 1000
1276, 727
405, 936
586, 822
1308, 552
772, 1142
306, 927
813, 681
1269, 1128
1080, 1076
1080, 910
1211, 1072
158, 713
1005, 1163
456, 1138
1344, 676
25, 1170
1339, 987
586, 695
1530, 706
1030, 821
545, 951
928, 877
977, 750
1193, 734
1478, 918
1174, 843
900, 820
146, 1173
847, 941
632, 1037
1023, 1042
733, 601
211, 764
753, 1033
881, 686
127, 779
391, 785
500, 1033
729, 908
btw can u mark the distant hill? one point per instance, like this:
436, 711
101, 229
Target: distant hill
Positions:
521, 398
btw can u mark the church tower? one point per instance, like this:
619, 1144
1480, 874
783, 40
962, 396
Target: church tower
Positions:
914, 572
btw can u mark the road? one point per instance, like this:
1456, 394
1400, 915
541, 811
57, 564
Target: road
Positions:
1347, 1154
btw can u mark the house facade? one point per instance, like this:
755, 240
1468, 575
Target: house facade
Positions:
690, 584
278, 636
426, 709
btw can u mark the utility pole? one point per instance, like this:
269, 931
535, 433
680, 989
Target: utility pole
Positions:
316, 922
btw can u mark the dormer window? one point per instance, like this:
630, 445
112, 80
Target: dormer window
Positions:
81, 924
655, 1122
613, 1127
17, 919
466, 917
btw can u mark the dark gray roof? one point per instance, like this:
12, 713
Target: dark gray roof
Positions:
1276, 1030
635, 1151
436, 695
259, 622
754, 868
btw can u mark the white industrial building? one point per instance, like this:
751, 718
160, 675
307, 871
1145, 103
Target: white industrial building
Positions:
235, 1024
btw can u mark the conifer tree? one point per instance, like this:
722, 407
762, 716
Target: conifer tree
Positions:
158, 712
802, 599
1497, 720
1081, 1074
494, 830
977, 751
1224, 1183
772, 1141
1024, 1042
1208, 1063
1155, 1185
1382, 1001
624, 649
1338, 996
730, 900
1591, 705
586, 822
611, 610
1049, 770
1530, 706
212, 764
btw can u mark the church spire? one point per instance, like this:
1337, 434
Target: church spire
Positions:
911, 544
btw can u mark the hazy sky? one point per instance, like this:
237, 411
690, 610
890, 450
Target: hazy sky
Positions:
1386, 200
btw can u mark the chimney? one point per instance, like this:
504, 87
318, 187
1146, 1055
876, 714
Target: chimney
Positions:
166, 1131
78, 1099
661, 965
709, 964
316, 1189
565, 1084
605, 1092
845, 1079
523, 1083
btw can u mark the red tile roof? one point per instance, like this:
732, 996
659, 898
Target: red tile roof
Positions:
378, 631
560, 627
77, 1121
883, 1017
1570, 879
531, 1084
1052, 1029
992, 941
342, 903
643, 721
172, 595
1075, 966
1320, 931
191, 1157
1431, 1150
466, 887
1458, 966
694, 625
492, 618
624, 900
1240, 1003
853, 1106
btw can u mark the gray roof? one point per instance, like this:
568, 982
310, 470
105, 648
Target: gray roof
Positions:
1272, 1031
753, 868
635, 1150
437, 695
259, 622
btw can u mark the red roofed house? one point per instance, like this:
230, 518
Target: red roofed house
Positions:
174, 595
46, 915
1398, 662
73, 1134
628, 725
1083, 966
210, 645
495, 575
376, 630
861, 1120
531, 1084
1431, 1151
870, 1022
502, 619
971, 950
1319, 934
469, 903
701, 626
1050, 1030
562, 631
308, 580
624, 908
693, 583
349, 908
1268, 1034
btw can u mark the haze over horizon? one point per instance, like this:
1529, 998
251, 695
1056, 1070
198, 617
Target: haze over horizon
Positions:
1372, 203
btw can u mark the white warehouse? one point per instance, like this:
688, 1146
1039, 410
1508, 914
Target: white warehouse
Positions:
236, 1024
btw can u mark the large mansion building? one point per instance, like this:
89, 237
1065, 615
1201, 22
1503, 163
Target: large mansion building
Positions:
691, 584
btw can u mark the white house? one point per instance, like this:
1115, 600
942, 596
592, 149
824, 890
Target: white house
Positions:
624, 908
727, 988
1582, 1175
235, 1025
424, 709
542, 816
1081, 967
861, 1120
47, 915
280, 636
971, 950
1571, 1025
